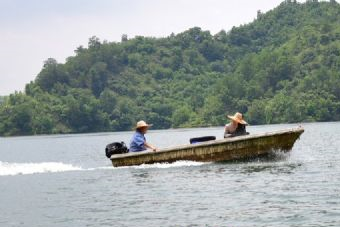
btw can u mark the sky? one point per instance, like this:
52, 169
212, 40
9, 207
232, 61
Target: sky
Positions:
32, 31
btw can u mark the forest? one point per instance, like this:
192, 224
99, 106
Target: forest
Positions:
283, 67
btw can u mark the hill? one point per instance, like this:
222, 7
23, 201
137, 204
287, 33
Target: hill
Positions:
282, 67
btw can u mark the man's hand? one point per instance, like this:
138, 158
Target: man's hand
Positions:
150, 146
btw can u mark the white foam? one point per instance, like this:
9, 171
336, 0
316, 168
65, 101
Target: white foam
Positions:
100, 168
10, 169
167, 165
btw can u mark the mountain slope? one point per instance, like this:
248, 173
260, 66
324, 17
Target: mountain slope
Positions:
282, 67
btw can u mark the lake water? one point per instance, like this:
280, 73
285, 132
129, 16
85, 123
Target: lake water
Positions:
66, 180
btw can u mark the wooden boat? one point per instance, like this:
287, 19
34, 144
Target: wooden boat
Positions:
235, 148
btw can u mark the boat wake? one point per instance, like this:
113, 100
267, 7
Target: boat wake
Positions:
165, 165
11, 169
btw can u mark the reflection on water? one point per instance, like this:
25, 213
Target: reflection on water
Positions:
286, 168
141, 174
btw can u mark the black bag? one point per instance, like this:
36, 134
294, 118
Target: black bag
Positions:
115, 148
202, 139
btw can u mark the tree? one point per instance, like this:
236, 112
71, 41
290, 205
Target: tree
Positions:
181, 116
51, 74
94, 43
282, 67
124, 38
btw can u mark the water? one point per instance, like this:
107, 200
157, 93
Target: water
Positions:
67, 181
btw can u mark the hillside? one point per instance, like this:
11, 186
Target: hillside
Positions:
282, 67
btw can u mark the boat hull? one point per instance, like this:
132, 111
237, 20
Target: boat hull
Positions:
215, 151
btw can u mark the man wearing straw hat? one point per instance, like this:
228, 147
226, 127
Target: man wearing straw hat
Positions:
236, 127
138, 142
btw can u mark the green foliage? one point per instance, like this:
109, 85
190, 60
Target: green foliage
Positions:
282, 67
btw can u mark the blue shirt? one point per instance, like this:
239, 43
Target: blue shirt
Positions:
137, 142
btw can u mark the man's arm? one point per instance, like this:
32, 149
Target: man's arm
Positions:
226, 131
150, 146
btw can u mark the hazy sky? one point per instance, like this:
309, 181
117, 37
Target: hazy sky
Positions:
33, 30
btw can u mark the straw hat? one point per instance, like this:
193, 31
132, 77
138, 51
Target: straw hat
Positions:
142, 124
238, 117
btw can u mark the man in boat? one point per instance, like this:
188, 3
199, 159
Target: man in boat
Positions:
138, 141
236, 127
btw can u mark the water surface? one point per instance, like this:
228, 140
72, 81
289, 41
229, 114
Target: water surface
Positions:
66, 180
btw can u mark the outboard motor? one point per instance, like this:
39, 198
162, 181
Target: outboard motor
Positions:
115, 148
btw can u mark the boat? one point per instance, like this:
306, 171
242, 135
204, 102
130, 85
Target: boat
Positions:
235, 148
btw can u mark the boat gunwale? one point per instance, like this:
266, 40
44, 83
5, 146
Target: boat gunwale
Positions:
299, 130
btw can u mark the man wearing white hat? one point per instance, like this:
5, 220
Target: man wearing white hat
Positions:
138, 141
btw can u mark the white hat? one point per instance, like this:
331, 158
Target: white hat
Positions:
238, 117
142, 124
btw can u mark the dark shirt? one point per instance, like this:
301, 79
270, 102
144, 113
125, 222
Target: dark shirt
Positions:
137, 142
240, 131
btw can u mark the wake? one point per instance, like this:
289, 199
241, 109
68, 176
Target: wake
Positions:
166, 165
12, 169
